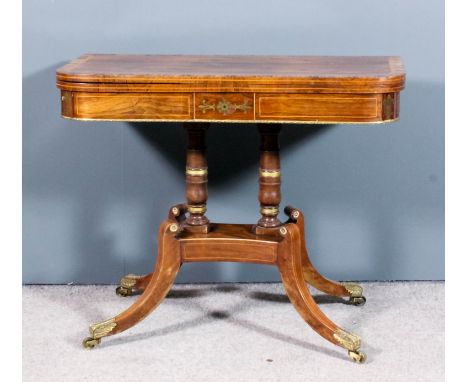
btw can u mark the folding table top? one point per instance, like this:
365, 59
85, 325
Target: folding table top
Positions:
302, 89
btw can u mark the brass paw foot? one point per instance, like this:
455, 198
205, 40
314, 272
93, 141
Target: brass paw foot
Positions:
355, 294
357, 356
98, 331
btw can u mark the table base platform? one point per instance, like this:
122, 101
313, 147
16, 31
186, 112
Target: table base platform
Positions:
282, 246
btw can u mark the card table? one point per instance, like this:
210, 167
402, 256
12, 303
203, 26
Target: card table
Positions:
264, 91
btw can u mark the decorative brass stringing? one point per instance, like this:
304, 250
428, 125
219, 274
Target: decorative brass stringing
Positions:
232, 121
196, 171
129, 281
270, 173
347, 340
270, 211
354, 290
224, 107
197, 209
102, 329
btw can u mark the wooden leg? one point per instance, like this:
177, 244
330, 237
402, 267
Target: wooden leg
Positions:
167, 266
132, 284
292, 275
313, 277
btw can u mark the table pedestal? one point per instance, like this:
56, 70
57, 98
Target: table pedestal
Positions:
188, 236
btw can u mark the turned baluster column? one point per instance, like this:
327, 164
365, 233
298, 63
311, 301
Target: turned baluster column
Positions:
269, 193
196, 172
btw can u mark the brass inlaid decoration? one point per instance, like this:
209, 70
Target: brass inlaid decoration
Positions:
196, 171
295, 214
197, 209
204, 107
354, 290
224, 107
269, 211
347, 340
232, 121
129, 281
102, 329
270, 173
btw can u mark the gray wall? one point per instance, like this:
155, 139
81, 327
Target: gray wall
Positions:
95, 193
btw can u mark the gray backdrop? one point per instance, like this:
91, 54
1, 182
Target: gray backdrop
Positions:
95, 193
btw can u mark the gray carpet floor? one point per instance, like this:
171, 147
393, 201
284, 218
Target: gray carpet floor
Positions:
233, 332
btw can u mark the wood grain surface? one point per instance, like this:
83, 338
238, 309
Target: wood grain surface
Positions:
292, 89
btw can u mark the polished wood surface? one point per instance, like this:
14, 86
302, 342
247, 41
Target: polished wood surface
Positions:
266, 90
230, 242
293, 89
167, 265
335, 71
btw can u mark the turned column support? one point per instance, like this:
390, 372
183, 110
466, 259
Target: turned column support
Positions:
196, 172
269, 179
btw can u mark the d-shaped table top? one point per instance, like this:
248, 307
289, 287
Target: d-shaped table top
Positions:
266, 89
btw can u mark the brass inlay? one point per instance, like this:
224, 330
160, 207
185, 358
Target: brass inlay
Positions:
197, 209
224, 107
196, 171
347, 340
232, 121
270, 173
102, 329
295, 214
354, 290
270, 211
206, 106
175, 211
129, 281
173, 228
283, 231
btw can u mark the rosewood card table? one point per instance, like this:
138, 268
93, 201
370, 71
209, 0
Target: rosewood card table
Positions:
264, 90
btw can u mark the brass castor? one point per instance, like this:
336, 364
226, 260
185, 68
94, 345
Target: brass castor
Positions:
123, 292
358, 301
91, 343
357, 356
